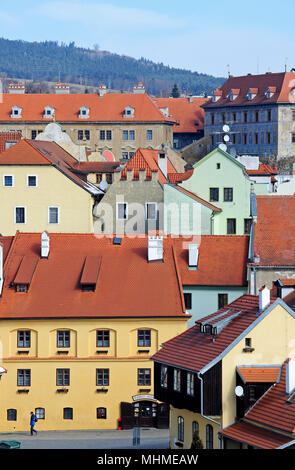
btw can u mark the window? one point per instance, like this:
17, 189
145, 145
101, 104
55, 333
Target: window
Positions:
144, 377
98, 178
214, 194
40, 413
256, 138
102, 135
209, 436
195, 427
131, 135
247, 226
128, 135
23, 339
188, 300
125, 135
293, 114
68, 413
245, 139
217, 166
234, 139
20, 215
62, 377
293, 137
231, 226
190, 384
222, 300
268, 137
269, 115
63, 339
32, 181
53, 215
88, 287
103, 339
164, 377
125, 156
87, 135
24, 377
122, 210
228, 194
144, 338
149, 135
248, 342
10, 143
180, 428
176, 380
83, 134
8, 181
109, 135
234, 116
212, 119
151, 211
22, 288
223, 119
256, 116
102, 377
109, 178
33, 135
245, 117
101, 413
11, 415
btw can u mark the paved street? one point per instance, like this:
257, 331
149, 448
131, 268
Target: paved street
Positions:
149, 439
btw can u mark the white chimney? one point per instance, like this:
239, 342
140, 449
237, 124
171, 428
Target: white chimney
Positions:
102, 89
139, 88
155, 248
1, 269
44, 245
290, 376
162, 162
193, 255
264, 298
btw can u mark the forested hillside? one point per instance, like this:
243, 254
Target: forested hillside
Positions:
52, 61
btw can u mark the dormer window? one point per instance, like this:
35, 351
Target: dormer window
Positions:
128, 112
233, 94
217, 94
270, 92
252, 92
48, 112
84, 112
16, 112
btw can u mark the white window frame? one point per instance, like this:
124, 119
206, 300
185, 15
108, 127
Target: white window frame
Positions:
30, 176
86, 115
25, 215
147, 133
58, 215
19, 112
146, 210
47, 115
3, 180
117, 211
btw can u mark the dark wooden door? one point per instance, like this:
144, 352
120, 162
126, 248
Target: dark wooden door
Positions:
127, 415
163, 416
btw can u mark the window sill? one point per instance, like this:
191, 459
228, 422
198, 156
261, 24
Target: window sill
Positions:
102, 351
104, 390
144, 390
147, 351
62, 390
23, 390
23, 352
62, 352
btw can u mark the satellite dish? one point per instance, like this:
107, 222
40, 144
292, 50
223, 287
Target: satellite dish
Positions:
2, 371
225, 128
103, 185
222, 147
226, 138
239, 391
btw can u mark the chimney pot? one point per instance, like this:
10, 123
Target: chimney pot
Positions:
193, 255
155, 247
162, 162
44, 245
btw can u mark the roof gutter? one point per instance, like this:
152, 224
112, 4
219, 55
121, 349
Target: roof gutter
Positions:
202, 407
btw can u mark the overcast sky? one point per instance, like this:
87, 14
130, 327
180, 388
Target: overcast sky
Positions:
199, 35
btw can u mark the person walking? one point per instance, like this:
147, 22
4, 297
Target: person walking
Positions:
32, 423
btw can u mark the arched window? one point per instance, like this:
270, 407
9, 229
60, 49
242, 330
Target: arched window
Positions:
195, 427
180, 428
209, 436
11, 415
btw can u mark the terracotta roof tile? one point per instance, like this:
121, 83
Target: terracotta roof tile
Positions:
189, 115
197, 198
263, 170
259, 374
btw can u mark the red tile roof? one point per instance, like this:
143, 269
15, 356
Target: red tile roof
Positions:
202, 350
197, 198
179, 177
95, 167
67, 107
278, 83
8, 136
127, 286
37, 152
147, 159
274, 233
6, 243
259, 374
273, 409
222, 260
287, 282
189, 115
263, 170
255, 436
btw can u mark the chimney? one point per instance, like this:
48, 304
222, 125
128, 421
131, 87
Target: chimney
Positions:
1, 269
193, 255
102, 90
16, 88
191, 99
155, 247
162, 162
61, 88
290, 376
139, 88
44, 245
264, 298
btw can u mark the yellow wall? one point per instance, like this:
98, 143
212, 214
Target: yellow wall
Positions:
54, 189
189, 417
273, 340
122, 359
